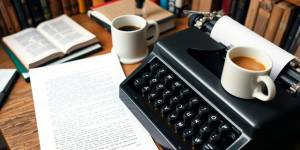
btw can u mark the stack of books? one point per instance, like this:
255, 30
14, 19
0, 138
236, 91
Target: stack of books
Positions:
51, 42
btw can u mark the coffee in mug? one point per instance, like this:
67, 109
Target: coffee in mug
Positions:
129, 37
128, 28
246, 71
248, 63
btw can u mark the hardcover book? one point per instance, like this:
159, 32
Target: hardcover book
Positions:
36, 11
51, 40
285, 22
55, 7
263, 17
104, 14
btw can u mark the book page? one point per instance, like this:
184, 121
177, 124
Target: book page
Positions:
77, 106
65, 33
30, 46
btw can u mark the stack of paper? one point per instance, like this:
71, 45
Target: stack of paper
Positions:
77, 106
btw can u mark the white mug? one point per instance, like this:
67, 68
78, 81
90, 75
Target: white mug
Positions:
245, 83
131, 46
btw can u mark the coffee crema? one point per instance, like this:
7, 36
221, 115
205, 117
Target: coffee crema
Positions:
128, 28
248, 63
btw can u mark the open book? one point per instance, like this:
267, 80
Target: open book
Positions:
48, 41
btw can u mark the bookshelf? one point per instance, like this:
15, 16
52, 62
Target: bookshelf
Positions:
276, 20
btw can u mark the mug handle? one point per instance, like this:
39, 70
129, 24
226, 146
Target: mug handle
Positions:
257, 93
156, 31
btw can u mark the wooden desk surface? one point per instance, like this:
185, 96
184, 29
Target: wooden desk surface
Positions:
17, 117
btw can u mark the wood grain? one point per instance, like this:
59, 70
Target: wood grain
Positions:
17, 116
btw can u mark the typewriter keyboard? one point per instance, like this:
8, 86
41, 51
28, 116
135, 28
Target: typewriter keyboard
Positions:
181, 114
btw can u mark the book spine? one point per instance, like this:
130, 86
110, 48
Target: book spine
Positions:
205, 5
100, 22
12, 15
241, 10
74, 7
295, 41
66, 4
292, 33
36, 11
216, 5
27, 13
45, 8
273, 23
171, 6
232, 8
226, 6
3, 28
5, 15
21, 17
82, 6
264, 13
252, 14
88, 4
155, 1
55, 8
195, 4
297, 53
97, 2
179, 6
284, 24
164, 4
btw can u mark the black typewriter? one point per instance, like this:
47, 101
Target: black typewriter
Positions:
177, 95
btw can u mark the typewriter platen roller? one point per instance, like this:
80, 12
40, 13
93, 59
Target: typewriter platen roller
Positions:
177, 95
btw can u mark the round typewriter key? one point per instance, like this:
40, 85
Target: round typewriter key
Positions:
138, 82
187, 134
158, 103
146, 75
165, 110
154, 66
172, 117
214, 137
160, 87
179, 126
152, 96
197, 141
145, 90
161, 72
188, 115
194, 103
174, 100
203, 110
179, 108
184, 93
204, 130
176, 85
223, 128
212, 120
153, 82
168, 78
167, 94
196, 122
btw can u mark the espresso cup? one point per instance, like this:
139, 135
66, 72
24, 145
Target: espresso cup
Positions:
246, 70
129, 37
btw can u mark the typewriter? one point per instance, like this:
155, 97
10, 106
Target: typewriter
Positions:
177, 95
